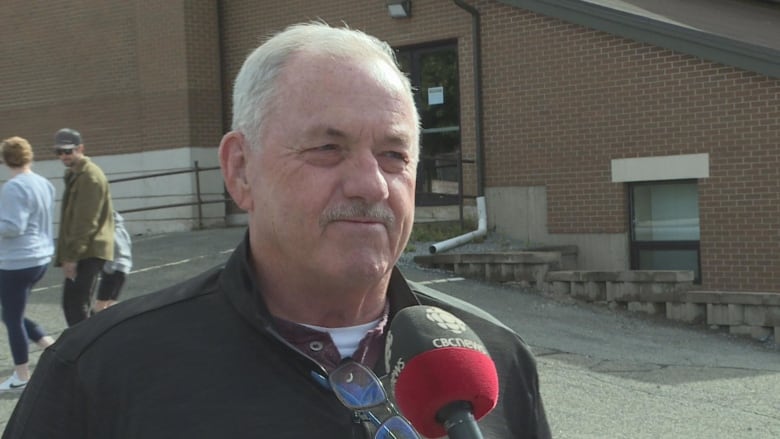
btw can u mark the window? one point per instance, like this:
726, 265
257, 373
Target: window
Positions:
665, 226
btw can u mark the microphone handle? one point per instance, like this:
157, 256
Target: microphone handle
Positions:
458, 420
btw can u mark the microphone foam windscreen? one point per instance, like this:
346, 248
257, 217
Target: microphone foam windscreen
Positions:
435, 359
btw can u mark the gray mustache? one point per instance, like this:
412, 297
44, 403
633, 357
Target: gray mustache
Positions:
358, 210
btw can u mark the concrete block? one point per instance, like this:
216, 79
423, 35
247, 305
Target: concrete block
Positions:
545, 287
777, 335
474, 271
656, 276
515, 272
686, 312
742, 298
773, 316
717, 314
493, 272
658, 292
701, 297
623, 292
596, 291
508, 271
647, 307
563, 276
736, 314
755, 315
561, 287
752, 298
600, 276
610, 290
568, 255
519, 272
590, 291
756, 332
578, 290
655, 287
538, 273
740, 329
533, 273
760, 332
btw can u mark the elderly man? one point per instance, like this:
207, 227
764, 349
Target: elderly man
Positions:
322, 156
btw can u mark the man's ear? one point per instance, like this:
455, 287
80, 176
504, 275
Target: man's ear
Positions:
233, 159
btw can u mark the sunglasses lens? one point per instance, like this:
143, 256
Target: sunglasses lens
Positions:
61, 151
356, 386
396, 428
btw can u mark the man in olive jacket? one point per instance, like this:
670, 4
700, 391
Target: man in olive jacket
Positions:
86, 235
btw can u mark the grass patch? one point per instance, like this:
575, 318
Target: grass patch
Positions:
438, 231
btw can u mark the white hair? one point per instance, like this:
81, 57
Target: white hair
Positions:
254, 89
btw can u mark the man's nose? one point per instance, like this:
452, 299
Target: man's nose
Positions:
364, 178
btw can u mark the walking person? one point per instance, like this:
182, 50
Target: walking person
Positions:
322, 155
114, 273
26, 248
86, 235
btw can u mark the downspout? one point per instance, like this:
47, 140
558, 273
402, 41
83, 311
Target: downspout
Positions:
476, 34
462, 239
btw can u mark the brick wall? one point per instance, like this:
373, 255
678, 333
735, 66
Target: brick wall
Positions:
66, 66
560, 102
563, 100
131, 76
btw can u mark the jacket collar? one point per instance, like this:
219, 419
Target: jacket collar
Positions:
78, 167
240, 285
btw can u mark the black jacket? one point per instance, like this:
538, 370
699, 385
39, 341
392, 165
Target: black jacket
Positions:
202, 360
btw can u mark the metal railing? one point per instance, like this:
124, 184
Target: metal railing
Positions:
199, 201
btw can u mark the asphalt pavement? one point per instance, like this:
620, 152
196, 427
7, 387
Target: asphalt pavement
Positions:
603, 373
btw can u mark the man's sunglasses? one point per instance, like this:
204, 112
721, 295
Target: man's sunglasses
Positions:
66, 151
358, 389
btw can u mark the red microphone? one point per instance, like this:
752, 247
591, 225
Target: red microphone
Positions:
441, 375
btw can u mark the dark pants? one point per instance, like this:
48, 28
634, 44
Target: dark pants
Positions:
77, 294
110, 285
15, 287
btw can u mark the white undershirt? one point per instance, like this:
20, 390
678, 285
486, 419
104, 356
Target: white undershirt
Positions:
348, 338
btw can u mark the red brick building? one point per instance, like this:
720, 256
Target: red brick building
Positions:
645, 132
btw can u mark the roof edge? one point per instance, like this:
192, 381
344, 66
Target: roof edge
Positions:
704, 45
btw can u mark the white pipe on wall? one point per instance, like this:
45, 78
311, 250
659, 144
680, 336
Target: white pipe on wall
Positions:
462, 239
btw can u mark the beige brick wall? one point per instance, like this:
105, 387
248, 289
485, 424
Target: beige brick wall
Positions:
131, 76
560, 102
563, 100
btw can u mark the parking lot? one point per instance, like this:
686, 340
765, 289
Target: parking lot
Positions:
604, 374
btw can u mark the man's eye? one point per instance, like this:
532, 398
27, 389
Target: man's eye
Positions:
323, 155
393, 161
328, 147
397, 155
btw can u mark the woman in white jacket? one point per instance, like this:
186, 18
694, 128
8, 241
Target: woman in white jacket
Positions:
26, 248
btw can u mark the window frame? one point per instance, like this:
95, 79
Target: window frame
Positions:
637, 246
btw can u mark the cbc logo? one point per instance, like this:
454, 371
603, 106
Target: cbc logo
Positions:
445, 320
